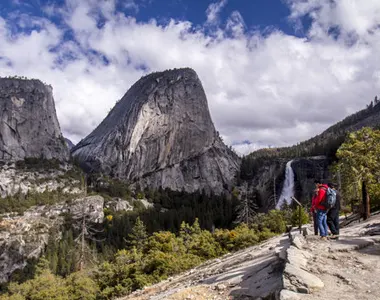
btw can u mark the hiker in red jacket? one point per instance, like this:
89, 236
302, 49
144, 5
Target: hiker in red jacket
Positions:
320, 209
313, 211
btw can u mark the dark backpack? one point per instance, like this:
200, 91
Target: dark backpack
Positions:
330, 198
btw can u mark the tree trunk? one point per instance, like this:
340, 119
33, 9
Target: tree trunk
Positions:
366, 202
81, 264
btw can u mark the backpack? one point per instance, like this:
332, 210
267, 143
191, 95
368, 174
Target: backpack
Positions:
330, 198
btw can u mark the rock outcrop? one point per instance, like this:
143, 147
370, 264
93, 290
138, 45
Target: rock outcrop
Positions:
19, 181
160, 134
317, 269
118, 204
29, 126
24, 238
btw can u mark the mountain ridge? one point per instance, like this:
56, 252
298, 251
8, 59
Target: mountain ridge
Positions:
331, 138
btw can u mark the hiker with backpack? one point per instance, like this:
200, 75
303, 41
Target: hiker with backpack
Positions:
320, 207
333, 213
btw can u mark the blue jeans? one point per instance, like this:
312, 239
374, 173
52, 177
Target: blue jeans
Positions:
322, 222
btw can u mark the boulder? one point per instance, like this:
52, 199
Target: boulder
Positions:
301, 279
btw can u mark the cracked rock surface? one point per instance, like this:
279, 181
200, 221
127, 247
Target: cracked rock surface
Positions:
347, 268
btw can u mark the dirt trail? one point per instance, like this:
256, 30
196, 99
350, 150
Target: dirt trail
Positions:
349, 267
349, 275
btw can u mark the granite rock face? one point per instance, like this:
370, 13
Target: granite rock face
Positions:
29, 126
160, 134
15, 181
25, 237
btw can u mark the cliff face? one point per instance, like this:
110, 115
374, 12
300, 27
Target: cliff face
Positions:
15, 181
29, 126
23, 238
160, 134
268, 180
306, 170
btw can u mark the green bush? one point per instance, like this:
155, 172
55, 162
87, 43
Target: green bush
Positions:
274, 221
147, 260
265, 234
20, 202
138, 206
44, 286
81, 286
295, 217
160, 265
240, 237
38, 163
165, 254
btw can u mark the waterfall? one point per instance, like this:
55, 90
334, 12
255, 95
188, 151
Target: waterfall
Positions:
288, 188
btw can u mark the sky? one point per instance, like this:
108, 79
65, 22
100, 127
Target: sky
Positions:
276, 72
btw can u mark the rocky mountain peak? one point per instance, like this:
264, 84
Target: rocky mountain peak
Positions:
161, 135
29, 126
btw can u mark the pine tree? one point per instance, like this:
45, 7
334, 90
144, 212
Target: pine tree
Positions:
247, 209
359, 161
87, 232
272, 201
139, 235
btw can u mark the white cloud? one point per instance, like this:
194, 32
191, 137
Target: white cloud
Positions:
235, 24
351, 16
130, 4
214, 10
245, 148
275, 89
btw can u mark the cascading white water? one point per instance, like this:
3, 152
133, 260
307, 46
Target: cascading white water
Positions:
288, 188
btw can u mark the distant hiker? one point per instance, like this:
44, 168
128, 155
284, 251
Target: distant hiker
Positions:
313, 210
333, 213
321, 209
